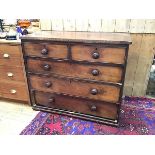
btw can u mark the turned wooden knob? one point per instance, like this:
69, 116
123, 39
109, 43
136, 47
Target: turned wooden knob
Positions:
48, 84
93, 108
44, 51
95, 55
94, 91
47, 67
95, 72
51, 100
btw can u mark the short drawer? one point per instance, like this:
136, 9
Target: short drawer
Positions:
10, 54
12, 73
13, 61
98, 108
93, 54
94, 91
46, 50
14, 90
90, 72
11, 49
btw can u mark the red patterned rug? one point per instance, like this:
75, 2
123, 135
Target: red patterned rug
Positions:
137, 118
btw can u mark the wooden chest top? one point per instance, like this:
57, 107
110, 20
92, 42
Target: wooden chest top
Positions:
86, 37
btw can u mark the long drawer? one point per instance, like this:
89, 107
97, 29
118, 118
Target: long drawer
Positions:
98, 54
76, 105
13, 73
94, 91
14, 90
102, 73
46, 50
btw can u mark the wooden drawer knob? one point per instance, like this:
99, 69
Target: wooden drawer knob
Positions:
95, 72
94, 91
13, 91
47, 67
48, 84
6, 55
44, 51
10, 74
51, 100
96, 55
93, 108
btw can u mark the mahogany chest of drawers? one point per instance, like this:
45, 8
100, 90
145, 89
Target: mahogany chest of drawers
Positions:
79, 74
13, 83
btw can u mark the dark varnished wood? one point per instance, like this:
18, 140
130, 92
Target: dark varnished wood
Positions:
76, 88
87, 117
103, 73
46, 50
86, 82
93, 54
98, 108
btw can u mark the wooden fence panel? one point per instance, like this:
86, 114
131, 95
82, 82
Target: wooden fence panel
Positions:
144, 65
133, 56
100, 25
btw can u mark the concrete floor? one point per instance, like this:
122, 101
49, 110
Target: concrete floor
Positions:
14, 117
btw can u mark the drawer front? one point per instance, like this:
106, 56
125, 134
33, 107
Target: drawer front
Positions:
12, 73
76, 88
10, 54
92, 54
13, 61
102, 73
45, 50
76, 105
14, 90
10, 49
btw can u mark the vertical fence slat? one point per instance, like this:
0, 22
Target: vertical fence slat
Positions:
69, 25
45, 24
57, 24
94, 25
137, 25
81, 25
122, 25
108, 25
149, 26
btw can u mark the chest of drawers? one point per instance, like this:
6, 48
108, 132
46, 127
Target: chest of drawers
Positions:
12, 74
79, 74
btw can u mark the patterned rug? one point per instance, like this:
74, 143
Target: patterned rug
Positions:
137, 118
